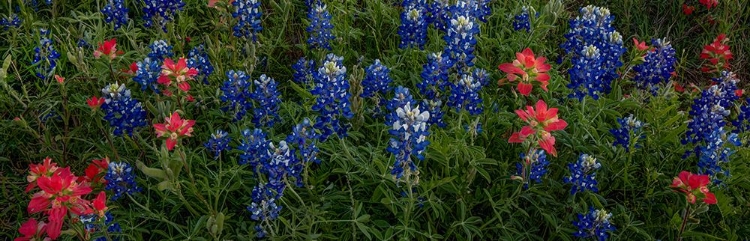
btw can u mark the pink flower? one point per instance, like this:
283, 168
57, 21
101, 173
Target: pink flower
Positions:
541, 122
31, 230
640, 45
95, 102
179, 71
174, 128
693, 186
60, 79
528, 68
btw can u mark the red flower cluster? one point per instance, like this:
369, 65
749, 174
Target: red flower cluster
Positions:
60, 194
174, 128
717, 53
95, 102
527, 67
709, 3
693, 186
541, 122
179, 71
687, 9
108, 48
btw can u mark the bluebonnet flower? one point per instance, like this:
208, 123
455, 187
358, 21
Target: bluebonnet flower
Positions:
481, 9
596, 48
657, 67
714, 154
122, 111
320, 25
413, 28
742, 123
709, 110
282, 164
264, 207
377, 80
533, 167
305, 138
595, 223
254, 148
582, 174
83, 44
237, 93
439, 14
465, 95
586, 75
120, 180
435, 107
303, 71
522, 20
218, 142
434, 75
160, 50
629, 127
45, 56
332, 102
52, 114
401, 97
161, 12
90, 225
268, 99
10, 21
198, 59
247, 13
115, 11
460, 37
408, 138
148, 72
481, 76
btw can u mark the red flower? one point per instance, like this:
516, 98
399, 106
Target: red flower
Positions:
709, 3
687, 9
94, 169
108, 48
174, 128
541, 122
94, 102
179, 71
60, 79
45, 169
640, 45
59, 194
31, 230
100, 203
693, 186
527, 67
717, 53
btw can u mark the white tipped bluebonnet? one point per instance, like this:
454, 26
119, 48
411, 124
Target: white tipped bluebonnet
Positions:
409, 131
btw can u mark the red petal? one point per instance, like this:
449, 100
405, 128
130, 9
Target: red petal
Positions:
710, 198
548, 144
524, 88
171, 143
515, 138
510, 68
100, 202
184, 86
556, 126
526, 131
164, 79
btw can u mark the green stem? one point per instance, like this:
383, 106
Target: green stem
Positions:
684, 222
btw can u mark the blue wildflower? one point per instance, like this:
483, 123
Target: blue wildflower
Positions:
439, 14
582, 174
742, 123
595, 223
332, 97
377, 80
303, 71
236, 92
434, 75
481, 76
254, 148
413, 28
596, 48
409, 131
461, 36
10, 21
115, 11
120, 180
45, 56
218, 142
533, 167
268, 99
161, 12
264, 207
481, 9
90, 225
282, 164
465, 95
657, 67
320, 26
629, 127
160, 50
522, 20
401, 97
247, 13
147, 74
122, 111
305, 138
714, 155
435, 107
198, 59
708, 112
